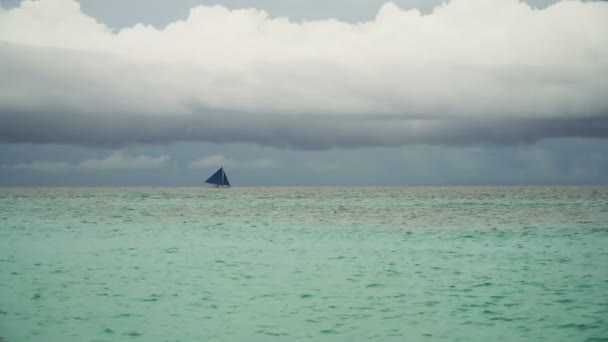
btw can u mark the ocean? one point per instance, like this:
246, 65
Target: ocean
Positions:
318, 264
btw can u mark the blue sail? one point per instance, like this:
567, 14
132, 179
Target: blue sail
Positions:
219, 178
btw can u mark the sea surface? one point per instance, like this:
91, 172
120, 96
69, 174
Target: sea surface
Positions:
318, 264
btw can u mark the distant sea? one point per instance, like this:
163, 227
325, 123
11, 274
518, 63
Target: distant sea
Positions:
318, 264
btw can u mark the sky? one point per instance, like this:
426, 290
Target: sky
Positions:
293, 93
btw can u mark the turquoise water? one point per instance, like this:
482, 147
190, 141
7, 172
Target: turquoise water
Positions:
321, 264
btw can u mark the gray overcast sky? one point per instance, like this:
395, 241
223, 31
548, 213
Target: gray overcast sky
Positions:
283, 103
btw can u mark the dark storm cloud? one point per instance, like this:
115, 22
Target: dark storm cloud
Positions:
460, 75
297, 131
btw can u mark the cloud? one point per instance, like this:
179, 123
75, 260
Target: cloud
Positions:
44, 166
216, 161
212, 162
122, 161
472, 71
116, 161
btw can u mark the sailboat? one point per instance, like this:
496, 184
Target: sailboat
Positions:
219, 179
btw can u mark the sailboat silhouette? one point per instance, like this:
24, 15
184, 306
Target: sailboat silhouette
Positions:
219, 179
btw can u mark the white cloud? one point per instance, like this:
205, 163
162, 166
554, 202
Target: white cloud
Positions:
122, 161
471, 71
216, 161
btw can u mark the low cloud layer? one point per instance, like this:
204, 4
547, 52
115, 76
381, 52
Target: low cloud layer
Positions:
43, 166
219, 160
472, 71
122, 161
114, 162
118, 161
